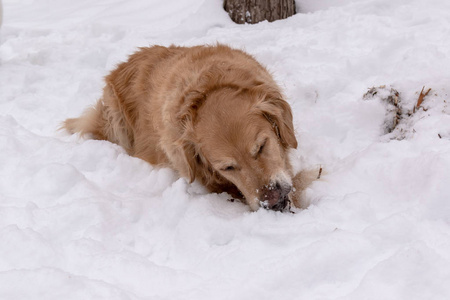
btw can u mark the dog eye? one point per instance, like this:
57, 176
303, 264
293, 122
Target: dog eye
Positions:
229, 168
261, 148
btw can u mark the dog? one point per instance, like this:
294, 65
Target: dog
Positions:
212, 113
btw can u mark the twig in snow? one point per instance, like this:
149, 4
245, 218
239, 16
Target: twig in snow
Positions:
320, 172
289, 207
421, 97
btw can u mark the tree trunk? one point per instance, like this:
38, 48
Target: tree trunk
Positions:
254, 11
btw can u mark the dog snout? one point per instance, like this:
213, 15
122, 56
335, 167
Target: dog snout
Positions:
275, 196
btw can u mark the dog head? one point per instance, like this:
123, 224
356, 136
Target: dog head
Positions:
241, 136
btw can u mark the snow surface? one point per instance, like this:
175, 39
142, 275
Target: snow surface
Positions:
80, 219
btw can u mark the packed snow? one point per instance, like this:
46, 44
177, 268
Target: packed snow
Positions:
81, 219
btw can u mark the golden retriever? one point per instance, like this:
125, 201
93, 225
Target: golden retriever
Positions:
212, 113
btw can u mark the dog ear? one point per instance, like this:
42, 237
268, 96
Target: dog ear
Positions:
196, 164
191, 160
278, 112
189, 106
186, 116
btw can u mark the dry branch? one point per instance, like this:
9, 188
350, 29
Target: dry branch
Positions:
421, 98
320, 172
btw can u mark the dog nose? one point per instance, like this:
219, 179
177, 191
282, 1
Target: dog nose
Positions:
285, 189
275, 196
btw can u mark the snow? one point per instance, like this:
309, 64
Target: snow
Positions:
80, 219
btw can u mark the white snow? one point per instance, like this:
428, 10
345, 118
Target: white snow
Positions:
80, 219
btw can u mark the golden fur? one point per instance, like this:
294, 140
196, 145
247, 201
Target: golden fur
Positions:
212, 113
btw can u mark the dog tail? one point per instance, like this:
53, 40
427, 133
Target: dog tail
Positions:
89, 123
